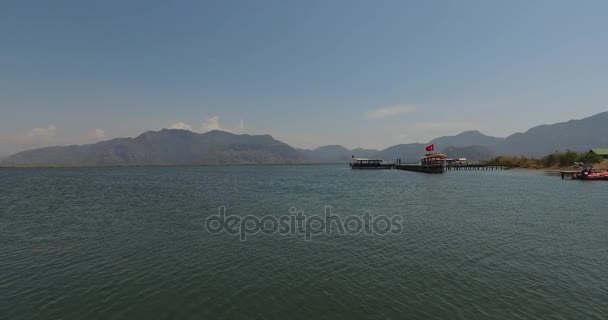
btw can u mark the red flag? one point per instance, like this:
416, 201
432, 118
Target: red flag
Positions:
430, 148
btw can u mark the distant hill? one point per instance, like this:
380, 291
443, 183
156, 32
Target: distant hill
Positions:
326, 154
410, 152
334, 154
468, 144
363, 153
480, 153
467, 139
182, 147
577, 135
168, 146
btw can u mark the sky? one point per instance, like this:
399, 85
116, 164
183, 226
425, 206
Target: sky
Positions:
357, 73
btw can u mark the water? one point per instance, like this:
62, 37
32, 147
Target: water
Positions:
129, 243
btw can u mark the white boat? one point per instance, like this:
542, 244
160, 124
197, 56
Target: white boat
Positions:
365, 163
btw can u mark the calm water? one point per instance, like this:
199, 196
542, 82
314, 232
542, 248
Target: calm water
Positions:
101, 243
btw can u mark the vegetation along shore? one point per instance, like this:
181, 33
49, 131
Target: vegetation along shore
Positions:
554, 161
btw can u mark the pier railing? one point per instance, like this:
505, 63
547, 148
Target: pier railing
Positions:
478, 167
440, 169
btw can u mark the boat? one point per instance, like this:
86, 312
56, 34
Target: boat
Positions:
590, 174
434, 163
365, 163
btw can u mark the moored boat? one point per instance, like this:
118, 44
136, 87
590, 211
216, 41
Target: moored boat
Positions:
434, 163
590, 174
365, 163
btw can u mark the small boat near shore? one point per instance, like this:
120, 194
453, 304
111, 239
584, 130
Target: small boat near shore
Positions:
590, 174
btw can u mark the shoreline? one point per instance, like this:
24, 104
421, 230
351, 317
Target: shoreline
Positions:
164, 165
556, 170
547, 170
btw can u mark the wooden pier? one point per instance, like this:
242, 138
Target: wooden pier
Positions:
478, 167
569, 173
419, 168
426, 169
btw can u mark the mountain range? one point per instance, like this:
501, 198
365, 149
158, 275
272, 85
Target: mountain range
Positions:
182, 147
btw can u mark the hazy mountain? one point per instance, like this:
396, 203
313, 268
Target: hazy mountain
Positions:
334, 154
471, 153
467, 139
410, 152
468, 144
578, 135
168, 146
363, 153
327, 154
179, 147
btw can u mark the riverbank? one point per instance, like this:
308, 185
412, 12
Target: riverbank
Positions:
165, 165
553, 162
602, 166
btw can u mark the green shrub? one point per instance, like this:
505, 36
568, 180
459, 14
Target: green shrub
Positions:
589, 158
567, 158
550, 160
562, 159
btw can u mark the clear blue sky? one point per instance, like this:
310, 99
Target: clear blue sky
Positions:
356, 73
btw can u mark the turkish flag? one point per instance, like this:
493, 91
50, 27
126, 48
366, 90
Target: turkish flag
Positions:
430, 148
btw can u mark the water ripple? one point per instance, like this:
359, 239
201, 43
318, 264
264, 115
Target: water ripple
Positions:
127, 243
